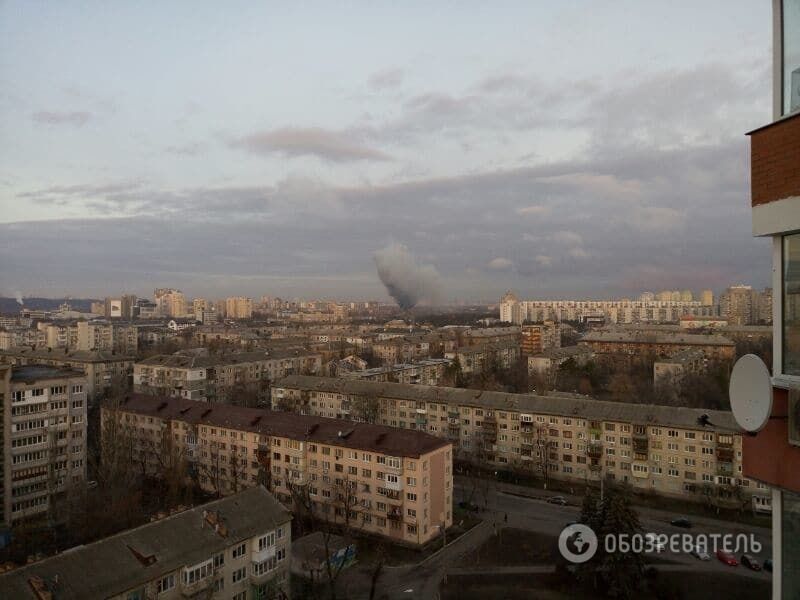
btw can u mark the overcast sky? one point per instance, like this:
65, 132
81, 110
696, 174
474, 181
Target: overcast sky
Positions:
581, 149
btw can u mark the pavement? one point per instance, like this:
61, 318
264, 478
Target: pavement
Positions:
522, 508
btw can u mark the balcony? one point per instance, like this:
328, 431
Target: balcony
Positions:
190, 590
594, 449
724, 453
394, 515
260, 556
725, 468
260, 573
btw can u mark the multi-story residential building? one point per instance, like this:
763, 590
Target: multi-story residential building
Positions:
170, 302
540, 337
381, 480
622, 347
428, 371
96, 334
43, 439
14, 337
478, 359
707, 298
239, 307
513, 310
403, 349
119, 308
220, 377
772, 456
548, 362
103, 369
739, 304
671, 371
490, 335
671, 451
237, 547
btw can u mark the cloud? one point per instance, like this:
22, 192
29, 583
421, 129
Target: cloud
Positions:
334, 146
500, 264
76, 118
544, 260
567, 237
534, 210
386, 78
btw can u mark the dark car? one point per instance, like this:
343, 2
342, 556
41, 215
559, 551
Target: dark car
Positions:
768, 565
681, 522
560, 500
750, 562
727, 558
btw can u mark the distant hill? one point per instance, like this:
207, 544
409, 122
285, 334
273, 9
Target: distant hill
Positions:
11, 306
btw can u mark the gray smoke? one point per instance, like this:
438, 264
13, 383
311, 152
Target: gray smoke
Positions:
18, 296
405, 280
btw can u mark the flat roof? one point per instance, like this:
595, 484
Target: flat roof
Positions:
68, 355
653, 337
322, 430
110, 567
32, 373
556, 404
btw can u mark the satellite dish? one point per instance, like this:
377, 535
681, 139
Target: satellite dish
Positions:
750, 393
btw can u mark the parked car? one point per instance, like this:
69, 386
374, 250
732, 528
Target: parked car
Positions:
653, 542
681, 522
727, 558
768, 565
750, 562
560, 500
700, 554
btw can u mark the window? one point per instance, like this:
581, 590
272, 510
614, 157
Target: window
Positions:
239, 551
791, 284
166, 583
791, 56
239, 574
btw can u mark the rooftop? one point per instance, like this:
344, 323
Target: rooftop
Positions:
33, 373
124, 561
655, 337
565, 405
88, 356
332, 432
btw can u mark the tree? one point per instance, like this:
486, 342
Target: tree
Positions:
615, 574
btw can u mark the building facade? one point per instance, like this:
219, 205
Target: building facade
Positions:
772, 456
239, 307
43, 439
657, 449
620, 347
380, 480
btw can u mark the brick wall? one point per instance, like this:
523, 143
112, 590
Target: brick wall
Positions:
775, 161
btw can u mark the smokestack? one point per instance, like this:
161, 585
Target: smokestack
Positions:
406, 281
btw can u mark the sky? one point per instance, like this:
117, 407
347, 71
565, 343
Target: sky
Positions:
586, 149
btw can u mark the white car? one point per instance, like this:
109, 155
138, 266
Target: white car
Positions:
700, 554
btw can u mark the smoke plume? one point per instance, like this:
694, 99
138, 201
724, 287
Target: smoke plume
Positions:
405, 280
18, 296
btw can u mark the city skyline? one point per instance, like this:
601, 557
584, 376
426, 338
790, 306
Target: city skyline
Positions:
230, 159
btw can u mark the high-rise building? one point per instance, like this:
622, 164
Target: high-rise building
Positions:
43, 439
686, 296
707, 298
737, 305
772, 456
170, 302
239, 307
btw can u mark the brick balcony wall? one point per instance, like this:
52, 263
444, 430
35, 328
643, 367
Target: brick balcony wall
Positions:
775, 161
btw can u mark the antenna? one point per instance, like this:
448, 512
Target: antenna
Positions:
750, 393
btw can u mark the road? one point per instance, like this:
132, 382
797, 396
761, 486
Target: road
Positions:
535, 514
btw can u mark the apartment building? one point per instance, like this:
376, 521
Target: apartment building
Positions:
672, 370
514, 310
43, 439
671, 451
170, 302
237, 547
539, 337
478, 359
428, 371
490, 335
549, 361
14, 337
102, 368
401, 349
381, 480
772, 456
239, 307
620, 347
198, 375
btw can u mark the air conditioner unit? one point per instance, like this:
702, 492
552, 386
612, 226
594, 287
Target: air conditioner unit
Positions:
794, 417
